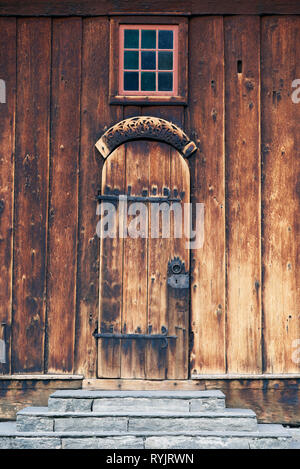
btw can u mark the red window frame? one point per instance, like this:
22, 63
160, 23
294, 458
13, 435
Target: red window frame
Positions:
174, 71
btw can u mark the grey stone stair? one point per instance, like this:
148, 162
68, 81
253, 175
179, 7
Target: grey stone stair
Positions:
265, 437
141, 420
42, 419
144, 401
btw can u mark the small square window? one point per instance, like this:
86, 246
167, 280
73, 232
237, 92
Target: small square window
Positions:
131, 60
131, 81
165, 81
149, 50
148, 81
165, 39
148, 60
165, 61
131, 39
148, 39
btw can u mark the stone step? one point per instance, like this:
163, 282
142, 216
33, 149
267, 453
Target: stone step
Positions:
138, 401
266, 436
34, 419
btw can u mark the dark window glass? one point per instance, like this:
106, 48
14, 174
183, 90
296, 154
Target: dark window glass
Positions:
165, 60
131, 38
148, 39
148, 81
131, 60
165, 81
148, 61
131, 81
165, 39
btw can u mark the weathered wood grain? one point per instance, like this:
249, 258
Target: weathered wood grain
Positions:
73, 251
96, 117
111, 273
174, 114
135, 262
159, 253
31, 193
62, 253
15, 394
205, 125
280, 194
178, 299
133, 271
105, 7
131, 111
243, 178
7, 153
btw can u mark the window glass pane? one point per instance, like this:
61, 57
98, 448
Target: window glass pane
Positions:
131, 81
148, 39
131, 38
148, 81
165, 39
165, 60
148, 61
131, 60
165, 81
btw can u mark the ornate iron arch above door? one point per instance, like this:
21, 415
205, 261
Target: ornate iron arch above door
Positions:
145, 127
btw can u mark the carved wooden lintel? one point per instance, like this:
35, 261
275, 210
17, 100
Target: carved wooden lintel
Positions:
145, 127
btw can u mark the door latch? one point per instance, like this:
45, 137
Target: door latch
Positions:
177, 276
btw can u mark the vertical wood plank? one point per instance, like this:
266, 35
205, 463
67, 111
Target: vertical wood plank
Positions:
178, 300
111, 273
96, 116
131, 111
7, 150
173, 114
280, 193
65, 128
161, 363
242, 110
158, 257
31, 187
135, 276
205, 124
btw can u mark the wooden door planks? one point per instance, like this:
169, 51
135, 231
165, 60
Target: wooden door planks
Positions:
65, 133
178, 299
280, 194
31, 193
242, 110
133, 272
205, 125
159, 253
111, 274
7, 154
135, 278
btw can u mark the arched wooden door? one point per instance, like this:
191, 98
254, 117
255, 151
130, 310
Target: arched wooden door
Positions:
144, 282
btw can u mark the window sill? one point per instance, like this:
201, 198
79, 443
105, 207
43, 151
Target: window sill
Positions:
150, 100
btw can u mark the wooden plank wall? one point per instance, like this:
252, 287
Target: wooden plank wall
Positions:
280, 193
32, 136
242, 130
205, 124
245, 304
7, 148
